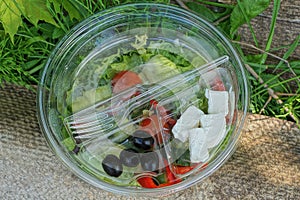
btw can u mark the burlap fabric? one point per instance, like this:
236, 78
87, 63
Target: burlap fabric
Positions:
266, 164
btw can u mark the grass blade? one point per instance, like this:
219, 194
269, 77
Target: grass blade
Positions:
272, 29
288, 53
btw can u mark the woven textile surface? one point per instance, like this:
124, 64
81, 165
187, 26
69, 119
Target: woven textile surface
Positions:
266, 164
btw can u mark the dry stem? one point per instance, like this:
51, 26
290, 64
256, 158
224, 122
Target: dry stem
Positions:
180, 3
221, 19
270, 54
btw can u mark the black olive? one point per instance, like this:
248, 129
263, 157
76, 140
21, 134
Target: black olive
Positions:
112, 165
129, 158
76, 149
149, 161
142, 140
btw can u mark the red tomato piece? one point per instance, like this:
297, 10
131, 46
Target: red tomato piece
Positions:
218, 85
148, 182
170, 176
124, 80
145, 122
182, 169
171, 121
153, 103
151, 126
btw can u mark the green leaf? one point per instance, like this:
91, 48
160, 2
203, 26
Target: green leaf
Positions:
71, 9
57, 33
253, 58
10, 17
246, 9
69, 143
46, 30
11, 13
57, 5
75, 10
225, 27
219, 18
35, 11
203, 11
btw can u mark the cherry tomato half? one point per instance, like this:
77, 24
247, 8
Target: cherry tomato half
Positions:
124, 80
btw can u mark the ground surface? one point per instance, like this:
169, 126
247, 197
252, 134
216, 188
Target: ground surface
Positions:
266, 164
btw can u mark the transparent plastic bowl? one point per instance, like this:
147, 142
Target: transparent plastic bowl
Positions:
151, 78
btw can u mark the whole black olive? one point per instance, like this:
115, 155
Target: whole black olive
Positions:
149, 161
129, 157
112, 165
142, 140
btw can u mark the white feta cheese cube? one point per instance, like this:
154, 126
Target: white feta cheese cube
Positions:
188, 120
197, 145
217, 101
181, 135
215, 127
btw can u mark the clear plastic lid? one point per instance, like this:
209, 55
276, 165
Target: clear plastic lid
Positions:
143, 96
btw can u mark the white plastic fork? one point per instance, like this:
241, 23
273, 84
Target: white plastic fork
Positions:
100, 119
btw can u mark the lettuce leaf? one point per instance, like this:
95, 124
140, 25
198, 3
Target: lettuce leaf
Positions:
90, 97
157, 69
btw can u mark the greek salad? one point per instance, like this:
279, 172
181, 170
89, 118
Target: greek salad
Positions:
162, 140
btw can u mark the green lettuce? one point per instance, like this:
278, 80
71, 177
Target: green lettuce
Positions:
158, 68
90, 97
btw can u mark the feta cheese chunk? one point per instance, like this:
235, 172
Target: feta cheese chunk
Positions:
215, 127
204, 131
197, 145
217, 101
181, 135
188, 120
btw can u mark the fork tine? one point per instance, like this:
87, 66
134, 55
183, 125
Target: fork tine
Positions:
78, 123
90, 128
87, 128
84, 120
99, 134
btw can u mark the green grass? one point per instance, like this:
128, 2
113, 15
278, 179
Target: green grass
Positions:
275, 84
